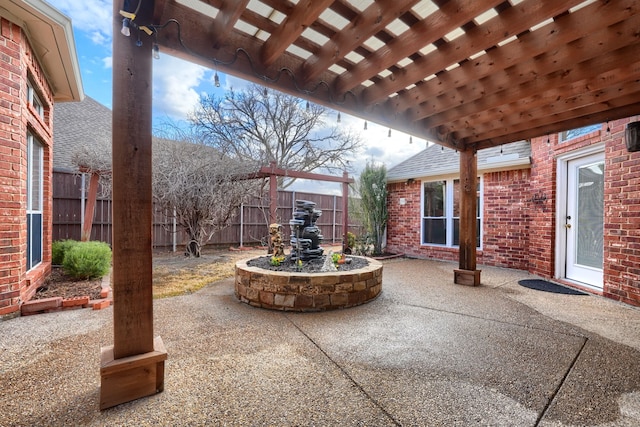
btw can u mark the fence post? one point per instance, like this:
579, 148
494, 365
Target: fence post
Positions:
333, 232
175, 231
241, 224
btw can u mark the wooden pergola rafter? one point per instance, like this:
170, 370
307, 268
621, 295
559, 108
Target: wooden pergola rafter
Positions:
467, 74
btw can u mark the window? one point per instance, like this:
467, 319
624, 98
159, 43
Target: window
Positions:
34, 100
34, 201
441, 213
574, 133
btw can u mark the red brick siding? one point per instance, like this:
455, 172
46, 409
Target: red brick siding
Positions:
17, 64
542, 219
403, 227
506, 216
622, 217
521, 233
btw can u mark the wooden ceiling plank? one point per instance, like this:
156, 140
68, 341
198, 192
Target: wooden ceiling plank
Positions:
229, 13
590, 102
596, 87
372, 20
548, 38
302, 16
548, 71
512, 21
578, 119
450, 16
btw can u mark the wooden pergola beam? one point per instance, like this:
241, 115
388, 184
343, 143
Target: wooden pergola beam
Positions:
303, 15
451, 89
372, 20
229, 12
450, 16
513, 21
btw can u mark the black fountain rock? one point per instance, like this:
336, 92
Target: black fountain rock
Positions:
305, 235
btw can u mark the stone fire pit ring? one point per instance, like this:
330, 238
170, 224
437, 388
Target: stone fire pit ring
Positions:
303, 292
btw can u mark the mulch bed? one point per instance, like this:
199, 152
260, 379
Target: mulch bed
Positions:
60, 285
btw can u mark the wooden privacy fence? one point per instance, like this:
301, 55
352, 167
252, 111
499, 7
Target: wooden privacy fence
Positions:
248, 228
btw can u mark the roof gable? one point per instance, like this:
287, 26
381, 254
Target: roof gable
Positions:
437, 160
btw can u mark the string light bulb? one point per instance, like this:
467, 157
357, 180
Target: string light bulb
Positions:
156, 51
125, 31
339, 118
216, 79
365, 125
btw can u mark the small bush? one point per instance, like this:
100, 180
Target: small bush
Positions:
59, 248
87, 260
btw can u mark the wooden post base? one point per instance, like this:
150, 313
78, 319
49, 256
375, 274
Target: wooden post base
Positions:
466, 277
133, 377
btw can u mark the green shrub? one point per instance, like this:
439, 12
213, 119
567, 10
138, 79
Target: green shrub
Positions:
59, 248
87, 260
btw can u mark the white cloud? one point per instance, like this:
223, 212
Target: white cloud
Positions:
91, 16
107, 62
378, 146
174, 86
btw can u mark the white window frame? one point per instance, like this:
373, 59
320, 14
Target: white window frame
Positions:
34, 100
34, 207
448, 208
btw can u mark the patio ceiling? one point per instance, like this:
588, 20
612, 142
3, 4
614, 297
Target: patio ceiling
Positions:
463, 73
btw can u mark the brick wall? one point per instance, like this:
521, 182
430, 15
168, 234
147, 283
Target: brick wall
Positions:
506, 218
17, 64
520, 213
622, 217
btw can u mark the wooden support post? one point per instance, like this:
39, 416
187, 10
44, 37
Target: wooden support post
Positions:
467, 273
345, 209
91, 207
134, 366
273, 199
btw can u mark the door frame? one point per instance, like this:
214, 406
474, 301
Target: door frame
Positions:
562, 169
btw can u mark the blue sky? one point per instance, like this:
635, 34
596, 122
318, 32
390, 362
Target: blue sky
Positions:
178, 85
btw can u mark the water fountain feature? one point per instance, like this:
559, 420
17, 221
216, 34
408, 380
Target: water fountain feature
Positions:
305, 291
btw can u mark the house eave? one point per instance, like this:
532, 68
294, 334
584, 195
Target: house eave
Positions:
494, 164
50, 34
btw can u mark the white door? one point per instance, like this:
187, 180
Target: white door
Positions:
584, 222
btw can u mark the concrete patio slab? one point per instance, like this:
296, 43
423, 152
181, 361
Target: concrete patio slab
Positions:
425, 352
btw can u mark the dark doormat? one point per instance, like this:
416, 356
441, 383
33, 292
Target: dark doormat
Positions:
543, 285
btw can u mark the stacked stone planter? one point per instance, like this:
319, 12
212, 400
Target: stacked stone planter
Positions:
287, 291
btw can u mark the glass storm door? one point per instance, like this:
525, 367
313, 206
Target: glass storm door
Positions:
585, 220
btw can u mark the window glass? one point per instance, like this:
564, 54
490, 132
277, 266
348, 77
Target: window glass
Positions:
574, 133
34, 100
441, 212
434, 198
434, 223
34, 201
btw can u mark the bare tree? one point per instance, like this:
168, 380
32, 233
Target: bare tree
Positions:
269, 126
202, 187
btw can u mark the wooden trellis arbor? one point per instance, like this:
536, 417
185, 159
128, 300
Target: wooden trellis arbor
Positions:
467, 74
